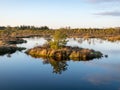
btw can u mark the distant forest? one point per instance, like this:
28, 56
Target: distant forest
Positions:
26, 31
27, 27
24, 27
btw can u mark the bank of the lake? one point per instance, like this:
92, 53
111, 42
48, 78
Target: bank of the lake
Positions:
10, 49
8, 45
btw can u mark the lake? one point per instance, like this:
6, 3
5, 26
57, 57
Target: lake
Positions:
23, 72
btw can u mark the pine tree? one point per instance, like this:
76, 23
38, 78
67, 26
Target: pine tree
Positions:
59, 40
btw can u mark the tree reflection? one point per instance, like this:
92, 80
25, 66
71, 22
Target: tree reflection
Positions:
58, 66
92, 41
9, 55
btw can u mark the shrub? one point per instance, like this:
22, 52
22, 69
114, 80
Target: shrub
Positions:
59, 40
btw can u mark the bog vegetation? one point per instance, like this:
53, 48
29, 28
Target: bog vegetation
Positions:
111, 34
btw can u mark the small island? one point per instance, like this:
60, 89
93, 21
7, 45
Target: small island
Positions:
8, 42
57, 49
10, 49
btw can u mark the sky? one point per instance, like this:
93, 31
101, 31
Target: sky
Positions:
61, 13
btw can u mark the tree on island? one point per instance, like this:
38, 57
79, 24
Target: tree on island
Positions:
58, 41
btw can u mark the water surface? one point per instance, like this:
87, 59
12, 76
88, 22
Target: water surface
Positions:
20, 71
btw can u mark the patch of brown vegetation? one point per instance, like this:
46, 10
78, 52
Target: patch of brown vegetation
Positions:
64, 53
115, 38
13, 40
1, 43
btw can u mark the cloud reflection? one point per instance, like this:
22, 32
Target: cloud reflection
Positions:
111, 74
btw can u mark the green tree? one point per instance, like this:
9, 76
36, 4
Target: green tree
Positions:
59, 40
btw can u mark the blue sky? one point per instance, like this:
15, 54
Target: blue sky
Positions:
61, 13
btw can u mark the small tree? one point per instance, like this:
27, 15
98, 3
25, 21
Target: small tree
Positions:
59, 40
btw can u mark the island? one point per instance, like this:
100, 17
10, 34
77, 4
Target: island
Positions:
57, 49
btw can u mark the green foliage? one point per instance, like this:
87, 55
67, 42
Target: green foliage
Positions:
59, 40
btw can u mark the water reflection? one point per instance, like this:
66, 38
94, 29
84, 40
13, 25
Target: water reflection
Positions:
58, 66
88, 40
108, 76
91, 43
33, 42
104, 46
9, 55
92, 40
23, 71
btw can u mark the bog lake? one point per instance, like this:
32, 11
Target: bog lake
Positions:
23, 72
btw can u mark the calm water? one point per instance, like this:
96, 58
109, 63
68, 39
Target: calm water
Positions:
19, 71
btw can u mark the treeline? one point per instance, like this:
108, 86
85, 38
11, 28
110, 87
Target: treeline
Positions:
21, 31
24, 27
93, 32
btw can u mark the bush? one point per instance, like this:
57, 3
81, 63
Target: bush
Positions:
59, 40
